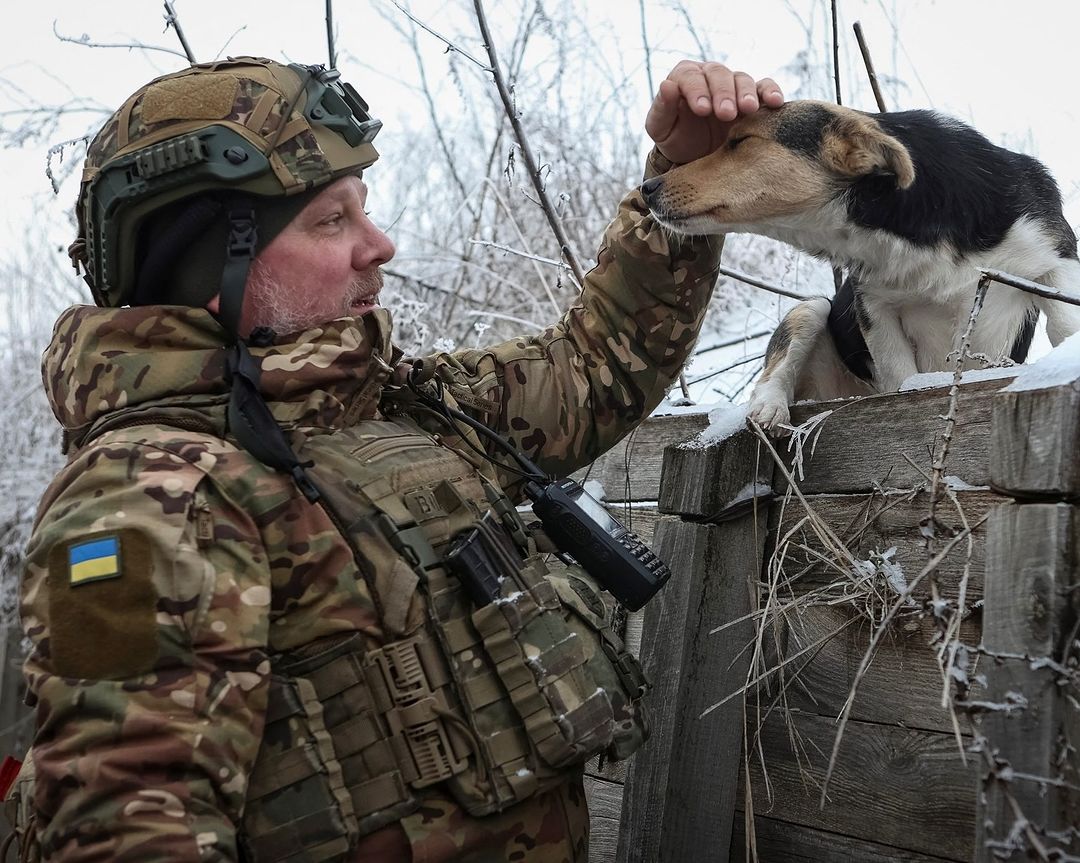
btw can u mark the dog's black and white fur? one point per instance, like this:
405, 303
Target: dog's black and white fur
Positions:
911, 204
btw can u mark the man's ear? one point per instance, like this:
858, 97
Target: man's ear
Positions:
856, 146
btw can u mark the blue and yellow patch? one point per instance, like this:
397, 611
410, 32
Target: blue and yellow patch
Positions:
94, 560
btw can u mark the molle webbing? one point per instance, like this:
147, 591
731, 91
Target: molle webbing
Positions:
349, 733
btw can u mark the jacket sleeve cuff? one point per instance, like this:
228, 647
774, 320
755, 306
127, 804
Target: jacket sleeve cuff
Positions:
656, 164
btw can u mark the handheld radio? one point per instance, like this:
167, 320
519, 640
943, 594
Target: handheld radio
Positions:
576, 522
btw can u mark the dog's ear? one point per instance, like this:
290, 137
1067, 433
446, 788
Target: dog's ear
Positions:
856, 145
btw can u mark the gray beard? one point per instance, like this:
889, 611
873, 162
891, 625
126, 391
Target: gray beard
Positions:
277, 307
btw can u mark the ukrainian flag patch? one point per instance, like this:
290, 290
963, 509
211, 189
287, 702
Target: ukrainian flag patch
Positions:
94, 560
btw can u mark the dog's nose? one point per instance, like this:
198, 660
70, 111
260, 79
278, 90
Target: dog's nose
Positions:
650, 187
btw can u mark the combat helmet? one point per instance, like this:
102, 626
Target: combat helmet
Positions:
220, 141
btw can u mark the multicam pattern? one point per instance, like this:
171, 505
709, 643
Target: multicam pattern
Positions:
149, 758
248, 81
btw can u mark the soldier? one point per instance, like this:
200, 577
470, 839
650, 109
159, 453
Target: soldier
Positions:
247, 642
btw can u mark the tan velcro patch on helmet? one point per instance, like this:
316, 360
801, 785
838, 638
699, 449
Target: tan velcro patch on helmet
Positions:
192, 97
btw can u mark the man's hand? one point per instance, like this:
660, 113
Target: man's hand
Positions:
697, 103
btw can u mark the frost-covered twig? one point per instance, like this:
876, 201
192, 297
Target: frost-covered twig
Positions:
528, 256
450, 44
929, 524
526, 151
133, 45
58, 150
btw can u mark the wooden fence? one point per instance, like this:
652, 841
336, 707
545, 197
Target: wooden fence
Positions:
913, 781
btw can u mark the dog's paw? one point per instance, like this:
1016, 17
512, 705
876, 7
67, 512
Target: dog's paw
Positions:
770, 414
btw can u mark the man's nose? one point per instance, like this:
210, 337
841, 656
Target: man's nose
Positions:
373, 249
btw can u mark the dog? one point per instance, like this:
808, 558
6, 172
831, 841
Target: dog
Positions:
911, 204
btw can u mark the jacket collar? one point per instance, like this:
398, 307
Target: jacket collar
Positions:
105, 360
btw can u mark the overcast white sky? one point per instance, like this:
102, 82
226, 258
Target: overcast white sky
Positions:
1008, 68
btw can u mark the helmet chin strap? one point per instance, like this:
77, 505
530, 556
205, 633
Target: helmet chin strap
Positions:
239, 256
249, 416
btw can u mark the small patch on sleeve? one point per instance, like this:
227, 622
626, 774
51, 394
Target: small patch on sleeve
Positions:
94, 560
102, 606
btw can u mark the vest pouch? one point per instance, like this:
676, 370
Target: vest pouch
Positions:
563, 674
327, 772
591, 610
19, 809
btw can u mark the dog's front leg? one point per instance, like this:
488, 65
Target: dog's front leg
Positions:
890, 348
786, 362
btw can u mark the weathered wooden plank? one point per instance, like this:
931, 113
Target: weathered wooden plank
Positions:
1036, 434
894, 786
605, 804
1031, 606
630, 470
864, 441
701, 480
680, 788
782, 842
875, 523
609, 771
902, 686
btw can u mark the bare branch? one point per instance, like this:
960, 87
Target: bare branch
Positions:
86, 42
734, 365
1030, 287
427, 286
758, 283
228, 41
520, 254
171, 20
836, 50
732, 342
929, 524
645, 43
865, 49
526, 151
58, 150
449, 44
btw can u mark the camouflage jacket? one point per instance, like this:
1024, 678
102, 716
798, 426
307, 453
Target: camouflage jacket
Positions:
150, 695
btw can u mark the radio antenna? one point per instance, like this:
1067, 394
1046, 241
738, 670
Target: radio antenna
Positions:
172, 20
330, 33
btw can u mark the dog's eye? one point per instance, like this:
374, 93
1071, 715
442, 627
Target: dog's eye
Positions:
734, 142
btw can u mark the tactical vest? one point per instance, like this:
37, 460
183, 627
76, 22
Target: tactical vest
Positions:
495, 703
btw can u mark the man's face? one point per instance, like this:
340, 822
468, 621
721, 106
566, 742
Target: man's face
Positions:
323, 265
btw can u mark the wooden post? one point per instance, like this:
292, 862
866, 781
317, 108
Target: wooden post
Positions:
1032, 733
1035, 435
680, 792
1029, 792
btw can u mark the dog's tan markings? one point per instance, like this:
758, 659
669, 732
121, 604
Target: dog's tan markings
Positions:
855, 145
756, 179
777, 350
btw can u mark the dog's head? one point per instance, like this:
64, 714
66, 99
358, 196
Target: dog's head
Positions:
775, 164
